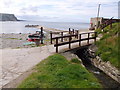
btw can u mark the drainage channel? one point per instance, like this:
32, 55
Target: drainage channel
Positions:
105, 80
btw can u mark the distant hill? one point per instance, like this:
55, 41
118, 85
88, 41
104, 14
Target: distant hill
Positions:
7, 17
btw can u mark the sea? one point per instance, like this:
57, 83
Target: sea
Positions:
19, 26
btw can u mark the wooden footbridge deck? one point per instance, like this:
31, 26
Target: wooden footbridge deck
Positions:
72, 37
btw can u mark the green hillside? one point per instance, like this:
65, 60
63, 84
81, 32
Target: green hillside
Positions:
108, 45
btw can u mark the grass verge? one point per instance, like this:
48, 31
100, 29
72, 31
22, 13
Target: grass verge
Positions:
57, 72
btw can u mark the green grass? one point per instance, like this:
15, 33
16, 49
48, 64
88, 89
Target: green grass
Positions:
75, 60
57, 72
108, 45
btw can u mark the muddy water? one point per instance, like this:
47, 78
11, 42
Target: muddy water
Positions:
105, 80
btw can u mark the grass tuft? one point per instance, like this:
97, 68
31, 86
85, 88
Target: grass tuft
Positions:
75, 60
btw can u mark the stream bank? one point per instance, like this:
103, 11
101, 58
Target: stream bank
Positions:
105, 80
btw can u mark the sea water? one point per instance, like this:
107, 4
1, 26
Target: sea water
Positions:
19, 26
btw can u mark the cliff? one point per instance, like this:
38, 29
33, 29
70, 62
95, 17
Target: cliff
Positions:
7, 17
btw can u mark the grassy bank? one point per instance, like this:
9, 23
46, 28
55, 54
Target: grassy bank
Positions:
57, 72
108, 46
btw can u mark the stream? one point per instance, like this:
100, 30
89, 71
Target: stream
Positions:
105, 80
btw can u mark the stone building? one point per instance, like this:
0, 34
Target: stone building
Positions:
98, 21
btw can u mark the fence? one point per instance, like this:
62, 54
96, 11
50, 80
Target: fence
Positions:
71, 32
57, 44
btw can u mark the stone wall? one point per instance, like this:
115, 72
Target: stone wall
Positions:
106, 67
7, 17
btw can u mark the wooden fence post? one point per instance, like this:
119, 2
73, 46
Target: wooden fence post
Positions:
56, 44
77, 34
61, 37
95, 37
73, 31
70, 42
111, 24
51, 37
80, 39
69, 31
88, 38
42, 35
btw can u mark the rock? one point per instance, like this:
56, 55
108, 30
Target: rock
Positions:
7, 17
106, 67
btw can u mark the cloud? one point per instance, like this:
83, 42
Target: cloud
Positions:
37, 18
64, 10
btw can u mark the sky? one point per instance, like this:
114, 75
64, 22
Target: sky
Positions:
59, 10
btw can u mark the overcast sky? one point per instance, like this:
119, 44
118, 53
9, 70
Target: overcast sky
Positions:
59, 10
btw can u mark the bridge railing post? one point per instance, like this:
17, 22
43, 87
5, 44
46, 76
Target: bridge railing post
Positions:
79, 39
111, 24
70, 42
88, 38
51, 37
69, 31
56, 44
95, 37
77, 34
73, 31
61, 37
